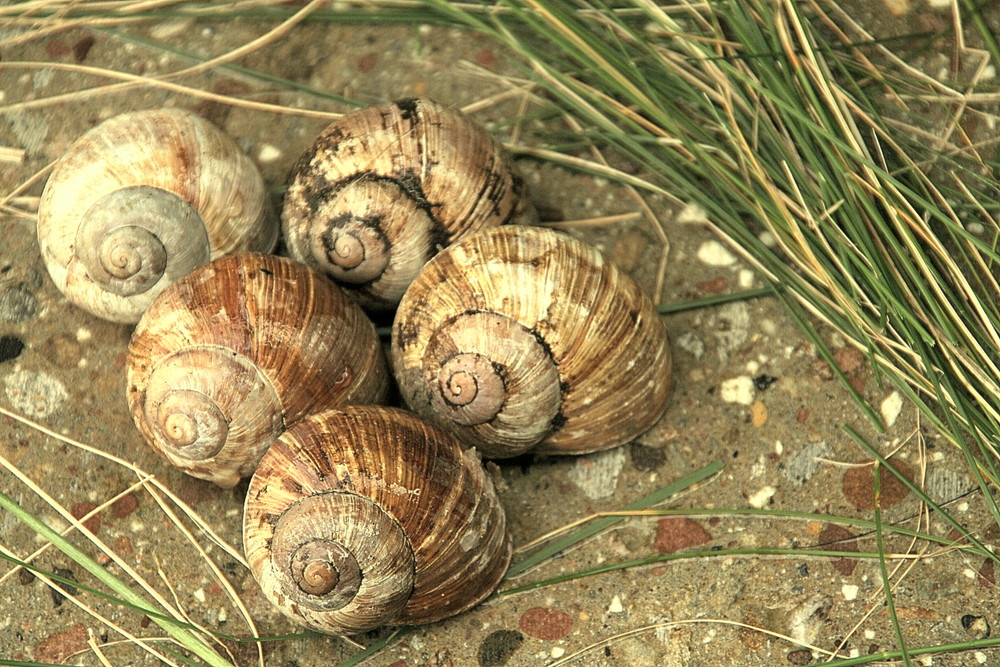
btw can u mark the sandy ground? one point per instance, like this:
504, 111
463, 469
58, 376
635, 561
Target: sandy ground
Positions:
779, 436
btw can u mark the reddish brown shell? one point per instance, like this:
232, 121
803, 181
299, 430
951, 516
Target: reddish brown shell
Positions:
142, 199
238, 350
366, 516
382, 189
521, 337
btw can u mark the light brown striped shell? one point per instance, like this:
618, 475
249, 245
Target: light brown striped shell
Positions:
142, 199
366, 516
237, 351
382, 189
521, 337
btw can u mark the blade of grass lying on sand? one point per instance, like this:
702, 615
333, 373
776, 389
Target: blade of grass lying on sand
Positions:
182, 634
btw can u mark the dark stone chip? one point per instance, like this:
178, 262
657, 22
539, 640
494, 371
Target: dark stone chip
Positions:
17, 303
57, 597
10, 348
800, 657
498, 647
645, 458
763, 382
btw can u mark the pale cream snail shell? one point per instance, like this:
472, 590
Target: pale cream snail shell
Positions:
142, 199
382, 189
232, 354
520, 337
365, 516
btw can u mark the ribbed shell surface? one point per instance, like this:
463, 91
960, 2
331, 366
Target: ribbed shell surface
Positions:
599, 330
309, 343
437, 493
450, 167
170, 149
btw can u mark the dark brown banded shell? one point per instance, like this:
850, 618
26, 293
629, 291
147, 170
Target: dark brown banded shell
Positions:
381, 488
574, 347
238, 350
382, 189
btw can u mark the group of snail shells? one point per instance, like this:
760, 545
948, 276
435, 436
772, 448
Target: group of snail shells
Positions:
242, 363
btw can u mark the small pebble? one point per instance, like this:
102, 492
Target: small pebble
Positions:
858, 486
897, 7
714, 253
268, 153
17, 303
891, 407
850, 591
616, 605
545, 623
10, 348
645, 458
557, 652
597, 474
977, 626
124, 506
59, 646
79, 510
738, 390
690, 343
762, 497
35, 394
692, 214
674, 533
804, 463
838, 538
758, 414
57, 596
800, 657
498, 647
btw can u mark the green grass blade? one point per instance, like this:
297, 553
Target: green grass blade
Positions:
183, 635
598, 525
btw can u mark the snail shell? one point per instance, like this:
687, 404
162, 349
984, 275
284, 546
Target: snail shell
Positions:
229, 356
142, 199
521, 337
384, 188
365, 516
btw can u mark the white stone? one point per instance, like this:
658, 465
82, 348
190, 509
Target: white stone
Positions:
762, 497
597, 474
268, 153
692, 214
891, 407
557, 652
850, 591
714, 253
616, 605
738, 390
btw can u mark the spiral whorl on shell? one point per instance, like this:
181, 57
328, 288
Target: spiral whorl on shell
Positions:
365, 516
232, 354
384, 188
142, 199
521, 337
